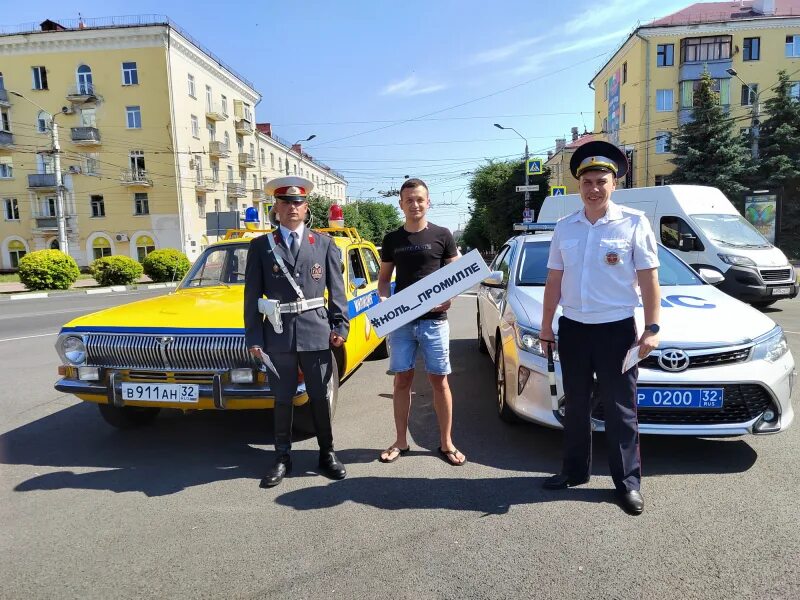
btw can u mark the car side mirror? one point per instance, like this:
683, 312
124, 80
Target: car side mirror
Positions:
494, 280
711, 276
359, 283
688, 242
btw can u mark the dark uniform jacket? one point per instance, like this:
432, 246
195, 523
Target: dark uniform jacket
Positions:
319, 266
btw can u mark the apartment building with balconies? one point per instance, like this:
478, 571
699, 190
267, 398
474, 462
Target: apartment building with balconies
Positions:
154, 131
646, 90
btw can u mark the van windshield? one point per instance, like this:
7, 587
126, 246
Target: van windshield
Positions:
731, 230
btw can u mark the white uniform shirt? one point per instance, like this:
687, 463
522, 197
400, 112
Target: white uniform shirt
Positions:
600, 261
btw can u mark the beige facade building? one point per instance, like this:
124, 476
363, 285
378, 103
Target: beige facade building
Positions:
558, 161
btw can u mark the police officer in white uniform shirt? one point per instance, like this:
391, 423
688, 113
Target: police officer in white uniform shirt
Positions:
597, 256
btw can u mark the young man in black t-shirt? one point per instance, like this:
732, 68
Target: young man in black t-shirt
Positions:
415, 250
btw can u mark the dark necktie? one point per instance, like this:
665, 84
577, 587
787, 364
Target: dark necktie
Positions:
294, 245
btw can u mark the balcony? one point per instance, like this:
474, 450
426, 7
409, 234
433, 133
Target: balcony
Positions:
49, 223
85, 92
4, 98
246, 160
258, 195
135, 178
235, 190
42, 181
6, 139
218, 150
85, 136
243, 127
215, 112
205, 184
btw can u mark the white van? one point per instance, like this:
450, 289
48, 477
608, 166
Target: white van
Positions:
705, 230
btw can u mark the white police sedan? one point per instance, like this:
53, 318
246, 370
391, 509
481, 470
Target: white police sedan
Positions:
723, 368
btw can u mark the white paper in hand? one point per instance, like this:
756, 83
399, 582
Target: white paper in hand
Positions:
631, 359
268, 363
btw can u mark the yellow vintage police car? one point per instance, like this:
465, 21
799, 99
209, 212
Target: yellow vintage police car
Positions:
187, 351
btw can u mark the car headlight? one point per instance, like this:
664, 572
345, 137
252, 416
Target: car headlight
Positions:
528, 340
72, 350
772, 347
735, 259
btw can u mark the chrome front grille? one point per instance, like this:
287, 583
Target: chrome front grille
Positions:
701, 360
168, 352
776, 274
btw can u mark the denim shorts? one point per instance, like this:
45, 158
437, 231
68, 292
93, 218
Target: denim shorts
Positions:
431, 336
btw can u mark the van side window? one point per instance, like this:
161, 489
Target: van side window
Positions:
355, 272
672, 228
371, 261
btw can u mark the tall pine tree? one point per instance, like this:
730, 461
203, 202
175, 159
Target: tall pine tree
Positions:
706, 149
779, 154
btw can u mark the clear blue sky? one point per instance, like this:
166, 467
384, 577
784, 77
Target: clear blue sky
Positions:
405, 88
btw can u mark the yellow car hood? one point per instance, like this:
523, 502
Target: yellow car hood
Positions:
217, 308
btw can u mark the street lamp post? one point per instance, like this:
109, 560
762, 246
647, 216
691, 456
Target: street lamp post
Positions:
754, 122
63, 242
286, 158
527, 193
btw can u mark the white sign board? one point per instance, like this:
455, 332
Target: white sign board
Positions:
438, 287
527, 188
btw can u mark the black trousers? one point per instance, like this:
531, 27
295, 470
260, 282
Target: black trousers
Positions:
598, 350
316, 367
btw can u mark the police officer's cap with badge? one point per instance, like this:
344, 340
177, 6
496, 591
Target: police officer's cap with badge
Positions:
598, 156
291, 189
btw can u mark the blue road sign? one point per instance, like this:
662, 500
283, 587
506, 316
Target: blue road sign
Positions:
558, 190
535, 166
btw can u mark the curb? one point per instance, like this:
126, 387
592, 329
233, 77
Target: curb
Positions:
84, 292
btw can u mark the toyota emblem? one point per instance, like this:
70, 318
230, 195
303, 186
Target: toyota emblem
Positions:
674, 360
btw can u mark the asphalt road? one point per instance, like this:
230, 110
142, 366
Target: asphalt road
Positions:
175, 509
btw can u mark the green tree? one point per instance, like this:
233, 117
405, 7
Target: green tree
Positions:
706, 149
372, 219
497, 204
779, 158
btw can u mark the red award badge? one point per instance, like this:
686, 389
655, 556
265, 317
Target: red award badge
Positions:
612, 258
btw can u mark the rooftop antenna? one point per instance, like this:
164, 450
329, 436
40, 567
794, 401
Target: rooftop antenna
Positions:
585, 131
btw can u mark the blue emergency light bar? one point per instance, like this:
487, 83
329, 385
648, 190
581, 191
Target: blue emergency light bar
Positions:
534, 227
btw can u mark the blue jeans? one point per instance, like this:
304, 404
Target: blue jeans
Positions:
430, 336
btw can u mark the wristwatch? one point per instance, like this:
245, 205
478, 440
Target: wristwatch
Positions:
654, 328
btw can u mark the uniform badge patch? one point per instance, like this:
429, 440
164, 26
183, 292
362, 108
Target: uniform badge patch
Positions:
612, 258
316, 272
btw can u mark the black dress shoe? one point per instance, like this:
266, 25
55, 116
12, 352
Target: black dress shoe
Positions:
331, 466
281, 468
631, 501
562, 481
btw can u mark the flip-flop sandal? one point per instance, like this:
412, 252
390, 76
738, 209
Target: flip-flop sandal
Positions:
446, 454
391, 450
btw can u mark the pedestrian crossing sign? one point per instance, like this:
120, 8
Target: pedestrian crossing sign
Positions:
534, 166
558, 190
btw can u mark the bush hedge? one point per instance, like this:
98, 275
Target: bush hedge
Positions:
167, 264
116, 270
48, 270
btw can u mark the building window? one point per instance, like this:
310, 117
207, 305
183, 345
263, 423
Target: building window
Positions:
43, 121
136, 159
133, 114
271, 160
749, 93
11, 209
39, 78
201, 207
5, 121
664, 100
705, 48
90, 164
623, 115
231, 205
230, 174
227, 139
191, 86
295, 169
605, 90
665, 55
98, 206
16, 250
663, 142
794, 90
217, 205
141, 204
263, 156
661, 180
88, 117
248, 116
101, 247
792, 46
751, 49
224, 105
215, 171
130, 74
195, 127
209, 99
84, 80
6, 169
144, 246
722, 87
605, 128
624, 72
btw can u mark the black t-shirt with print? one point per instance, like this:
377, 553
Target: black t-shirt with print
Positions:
418, 254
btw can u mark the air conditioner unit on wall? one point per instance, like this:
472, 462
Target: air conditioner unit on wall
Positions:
74, 169
121, 237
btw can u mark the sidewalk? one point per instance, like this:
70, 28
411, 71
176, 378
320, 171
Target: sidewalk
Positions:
17, 291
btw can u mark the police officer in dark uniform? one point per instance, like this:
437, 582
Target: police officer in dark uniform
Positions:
598, 255
293, 266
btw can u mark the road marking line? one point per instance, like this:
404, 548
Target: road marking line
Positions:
26, 337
